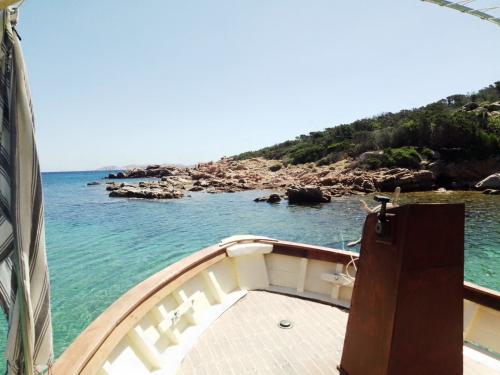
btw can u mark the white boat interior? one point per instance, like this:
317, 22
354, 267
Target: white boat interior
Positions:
218, 311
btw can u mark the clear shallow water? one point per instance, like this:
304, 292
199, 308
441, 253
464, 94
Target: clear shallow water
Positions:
99, 247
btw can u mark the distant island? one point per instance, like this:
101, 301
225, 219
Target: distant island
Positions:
450, 144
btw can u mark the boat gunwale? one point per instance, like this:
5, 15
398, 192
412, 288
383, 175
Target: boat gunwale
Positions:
76, 358
481, 295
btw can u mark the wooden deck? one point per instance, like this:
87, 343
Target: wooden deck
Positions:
246, 339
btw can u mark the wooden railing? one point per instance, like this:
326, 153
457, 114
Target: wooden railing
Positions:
87, 353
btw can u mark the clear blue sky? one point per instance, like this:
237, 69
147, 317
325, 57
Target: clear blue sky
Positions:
121, 82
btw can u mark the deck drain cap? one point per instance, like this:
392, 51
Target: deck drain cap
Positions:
285, 324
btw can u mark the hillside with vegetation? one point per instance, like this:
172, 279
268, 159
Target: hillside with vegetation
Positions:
453, 143
457, 128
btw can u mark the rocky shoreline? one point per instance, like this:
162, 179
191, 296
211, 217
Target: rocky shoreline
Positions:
306, 183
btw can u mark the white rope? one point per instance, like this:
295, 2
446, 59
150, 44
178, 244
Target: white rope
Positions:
353, 261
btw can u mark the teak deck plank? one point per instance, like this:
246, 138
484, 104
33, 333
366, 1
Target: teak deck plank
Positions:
246, 339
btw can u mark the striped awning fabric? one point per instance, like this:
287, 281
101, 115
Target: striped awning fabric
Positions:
6, 3
24, 280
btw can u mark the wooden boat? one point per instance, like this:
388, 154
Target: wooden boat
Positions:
218, 311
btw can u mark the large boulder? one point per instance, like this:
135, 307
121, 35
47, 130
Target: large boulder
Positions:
490, 182
163, 172
159, 172
407, 180
465, 173
195, 175
327, 181
146, 191
151, 173
368, 186
137, 173
308, 194
493, 106
114, 186
275, 167
370, 155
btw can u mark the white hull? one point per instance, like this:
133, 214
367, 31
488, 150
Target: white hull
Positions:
153, 326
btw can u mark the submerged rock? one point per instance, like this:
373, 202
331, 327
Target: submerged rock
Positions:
260, 199
273, 198
93, 183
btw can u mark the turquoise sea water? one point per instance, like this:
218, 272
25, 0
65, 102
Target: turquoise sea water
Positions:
99, 247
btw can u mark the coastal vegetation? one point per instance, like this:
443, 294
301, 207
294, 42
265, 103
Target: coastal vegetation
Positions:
453, 143
454, 129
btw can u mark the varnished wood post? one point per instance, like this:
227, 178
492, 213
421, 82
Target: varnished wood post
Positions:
406, 315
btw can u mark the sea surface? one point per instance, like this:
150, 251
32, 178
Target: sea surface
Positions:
99, 247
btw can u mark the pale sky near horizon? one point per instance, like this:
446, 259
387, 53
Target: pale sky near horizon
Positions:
115, 83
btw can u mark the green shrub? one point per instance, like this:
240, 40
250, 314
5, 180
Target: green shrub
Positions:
306, 153
323, 161
494, 125
428, 153
442, 125
339, 146
452, 153
331, 158
405, 157
374, 162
